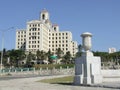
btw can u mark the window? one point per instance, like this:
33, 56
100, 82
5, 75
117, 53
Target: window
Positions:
38, 46
66, 48
43, 16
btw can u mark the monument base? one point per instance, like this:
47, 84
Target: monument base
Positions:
88, 69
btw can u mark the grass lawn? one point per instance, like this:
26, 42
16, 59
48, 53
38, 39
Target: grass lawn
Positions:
61, 80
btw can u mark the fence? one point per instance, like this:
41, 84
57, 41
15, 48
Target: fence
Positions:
41, 71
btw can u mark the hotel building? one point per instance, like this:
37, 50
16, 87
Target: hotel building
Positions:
43, 35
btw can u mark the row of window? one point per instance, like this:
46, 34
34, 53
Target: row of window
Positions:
22, 39
22, 47
58, 41
34, 25
33, 42
21, 32
21, 35
38, 33
53, 34
34, 46
34, 29
61, 49
33, 37
57, 37
58, 45
21, 43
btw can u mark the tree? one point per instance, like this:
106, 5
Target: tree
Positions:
67, 58
49, 54
79, 53
16, 56
59, 53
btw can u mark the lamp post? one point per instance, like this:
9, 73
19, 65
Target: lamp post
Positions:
2, 32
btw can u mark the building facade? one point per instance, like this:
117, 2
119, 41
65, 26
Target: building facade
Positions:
43, 35
112, 50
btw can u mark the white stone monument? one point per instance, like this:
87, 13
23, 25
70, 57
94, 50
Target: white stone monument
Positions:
87, 67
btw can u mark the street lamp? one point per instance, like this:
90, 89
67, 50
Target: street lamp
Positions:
2, 32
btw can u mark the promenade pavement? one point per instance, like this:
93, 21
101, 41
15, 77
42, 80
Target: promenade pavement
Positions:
32, 84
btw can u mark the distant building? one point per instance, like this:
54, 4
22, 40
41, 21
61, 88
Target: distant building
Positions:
112, 50
43, 35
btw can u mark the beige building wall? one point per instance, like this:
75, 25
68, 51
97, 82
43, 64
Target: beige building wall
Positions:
21, 39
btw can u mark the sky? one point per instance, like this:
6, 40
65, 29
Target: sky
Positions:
99, 17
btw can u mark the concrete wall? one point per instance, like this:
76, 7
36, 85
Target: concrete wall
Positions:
111, 75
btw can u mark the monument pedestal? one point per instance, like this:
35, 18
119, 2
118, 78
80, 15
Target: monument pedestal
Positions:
87, 69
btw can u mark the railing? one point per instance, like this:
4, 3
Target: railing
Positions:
40, 71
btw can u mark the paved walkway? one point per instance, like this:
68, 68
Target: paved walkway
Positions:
32, 84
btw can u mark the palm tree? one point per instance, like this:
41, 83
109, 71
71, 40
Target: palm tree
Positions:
16, 56
41, 55
79, 53
59, 53
67, 58
49, 54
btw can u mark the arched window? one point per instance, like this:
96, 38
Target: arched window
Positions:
43, 16
55, 28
